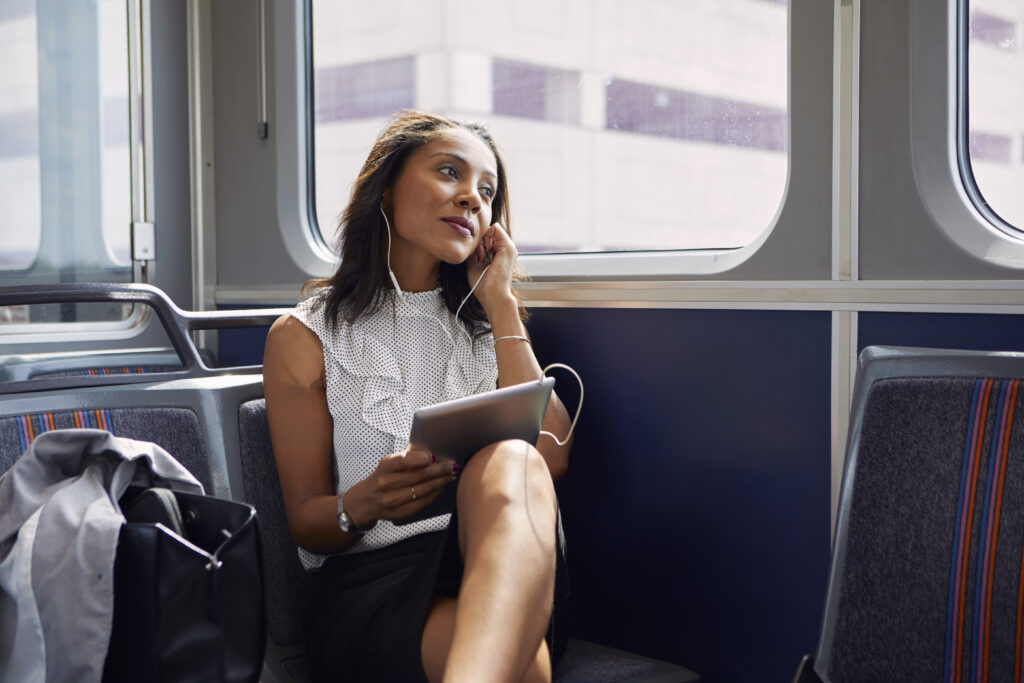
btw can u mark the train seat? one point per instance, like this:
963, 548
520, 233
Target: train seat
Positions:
179, 430
214, 422
927, 574
174, 429
286, 584
123, 362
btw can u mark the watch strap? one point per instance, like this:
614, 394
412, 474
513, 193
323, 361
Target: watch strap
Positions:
345, 522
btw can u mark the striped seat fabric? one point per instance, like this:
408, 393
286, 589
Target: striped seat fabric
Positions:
30, 426
931, 587
122, 370
176, 430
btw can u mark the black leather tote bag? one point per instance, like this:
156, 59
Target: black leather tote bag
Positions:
188, 590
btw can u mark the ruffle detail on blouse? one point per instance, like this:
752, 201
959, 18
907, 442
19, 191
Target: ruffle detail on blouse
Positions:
364, 355
384, 403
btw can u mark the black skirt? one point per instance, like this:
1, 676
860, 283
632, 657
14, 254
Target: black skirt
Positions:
367, 610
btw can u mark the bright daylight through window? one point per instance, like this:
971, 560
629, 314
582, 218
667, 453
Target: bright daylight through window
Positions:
995, 100
625, 124
64, 155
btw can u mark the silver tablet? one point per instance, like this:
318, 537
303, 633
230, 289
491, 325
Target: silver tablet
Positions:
458, 429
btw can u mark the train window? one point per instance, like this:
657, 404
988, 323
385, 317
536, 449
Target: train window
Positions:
611, 115
992, 127
64, 153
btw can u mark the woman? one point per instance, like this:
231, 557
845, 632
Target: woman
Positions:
395, 328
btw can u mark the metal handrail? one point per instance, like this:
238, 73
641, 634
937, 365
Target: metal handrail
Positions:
176, 322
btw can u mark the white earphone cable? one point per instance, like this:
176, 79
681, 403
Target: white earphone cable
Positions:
398, 291
466, 298
394, 280
579, 408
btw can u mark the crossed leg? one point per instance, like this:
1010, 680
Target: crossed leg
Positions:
495, 630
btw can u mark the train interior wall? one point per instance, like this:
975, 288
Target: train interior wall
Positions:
696, 505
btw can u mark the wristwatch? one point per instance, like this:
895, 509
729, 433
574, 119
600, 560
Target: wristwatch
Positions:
345, 523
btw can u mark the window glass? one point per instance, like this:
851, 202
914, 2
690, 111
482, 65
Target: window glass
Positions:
625, 124
19, 136
64, 155
995, 105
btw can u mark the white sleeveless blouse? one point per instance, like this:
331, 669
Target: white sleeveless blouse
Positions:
379, 370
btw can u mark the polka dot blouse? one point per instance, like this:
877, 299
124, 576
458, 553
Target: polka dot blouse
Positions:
409, 353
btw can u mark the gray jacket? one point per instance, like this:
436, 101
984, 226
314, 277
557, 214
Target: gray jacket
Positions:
59, 525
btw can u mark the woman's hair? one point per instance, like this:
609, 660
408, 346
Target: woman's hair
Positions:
361, 279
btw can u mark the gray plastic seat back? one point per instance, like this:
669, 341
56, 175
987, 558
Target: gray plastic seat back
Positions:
927, 563
286, 584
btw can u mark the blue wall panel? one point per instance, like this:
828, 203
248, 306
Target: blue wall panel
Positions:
942, 331
696, 505
242, 346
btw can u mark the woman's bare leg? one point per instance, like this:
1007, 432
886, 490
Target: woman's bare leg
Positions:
437, 641
507, 516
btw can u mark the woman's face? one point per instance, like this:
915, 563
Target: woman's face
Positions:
440, 204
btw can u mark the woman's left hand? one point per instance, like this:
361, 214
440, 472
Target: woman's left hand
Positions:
497, 249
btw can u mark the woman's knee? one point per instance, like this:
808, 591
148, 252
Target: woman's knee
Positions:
512, 470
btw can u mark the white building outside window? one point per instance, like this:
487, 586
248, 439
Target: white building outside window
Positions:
625, 124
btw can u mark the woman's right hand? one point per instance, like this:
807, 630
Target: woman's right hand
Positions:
403, 484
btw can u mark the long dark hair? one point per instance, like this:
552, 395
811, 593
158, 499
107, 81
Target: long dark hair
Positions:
359, 283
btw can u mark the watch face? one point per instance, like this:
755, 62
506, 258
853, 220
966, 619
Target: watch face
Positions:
346, 524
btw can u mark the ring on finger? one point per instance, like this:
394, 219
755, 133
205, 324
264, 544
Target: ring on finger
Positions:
413, 492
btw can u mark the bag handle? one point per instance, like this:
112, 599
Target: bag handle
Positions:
156, 505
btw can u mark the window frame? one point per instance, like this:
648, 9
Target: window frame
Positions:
138, 16
295, 183
939, 137
800, 215
963, 128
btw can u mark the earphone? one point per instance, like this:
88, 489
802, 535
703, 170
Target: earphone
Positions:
394, 280
579, 407
398, 291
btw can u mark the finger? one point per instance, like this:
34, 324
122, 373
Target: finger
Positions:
393, 462
407, 499
407, 478
498, 241
412, 507
424, 497
393, 467
416, 458
503, 235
